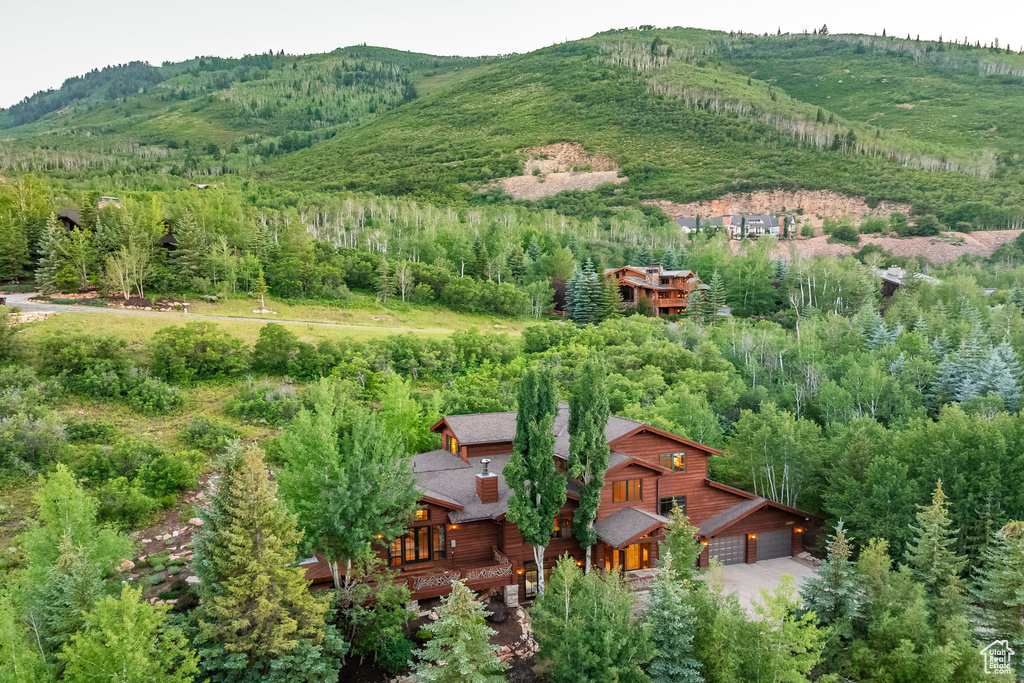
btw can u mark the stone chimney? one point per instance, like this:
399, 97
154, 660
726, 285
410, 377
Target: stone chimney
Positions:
487, 484
653, 274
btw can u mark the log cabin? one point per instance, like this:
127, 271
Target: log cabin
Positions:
460, 530
668, 290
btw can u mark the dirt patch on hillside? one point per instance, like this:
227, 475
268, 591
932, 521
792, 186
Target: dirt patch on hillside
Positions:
808, 206
561, 166
938, 250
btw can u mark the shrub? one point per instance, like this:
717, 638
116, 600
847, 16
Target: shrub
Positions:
86, 431
807, 230
197, 351
168, 474
845, 233
8, 343
275, 349
153, 397
124, 505
396, 655
873, 224
265, 401
28, 443
94, 366
208, 434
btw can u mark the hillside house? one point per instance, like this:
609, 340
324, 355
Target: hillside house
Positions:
893, 278
668, 290
460, 530
756, 225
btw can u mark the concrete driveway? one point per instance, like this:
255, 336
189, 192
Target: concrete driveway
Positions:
747, 580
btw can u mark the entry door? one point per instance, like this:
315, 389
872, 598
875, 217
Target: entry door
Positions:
772, 544
728, 549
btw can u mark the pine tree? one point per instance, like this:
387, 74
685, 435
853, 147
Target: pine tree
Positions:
52, 259
459, 650
833, 593
537, 485
999, 589
671, 622
588, 448
1000, 374
932, 554
260, 289
643, 256
385, 281
14, 256
189, 256
257, 620
533, 250
716, 298
516, 264
125, 639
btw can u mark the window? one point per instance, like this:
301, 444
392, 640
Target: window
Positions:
530, 578
674, 461
665, 505
422, 514
451, 444
629, 489
636, 556
563, 526
421, 544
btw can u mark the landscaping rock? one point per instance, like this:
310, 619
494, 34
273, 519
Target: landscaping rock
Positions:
195, 521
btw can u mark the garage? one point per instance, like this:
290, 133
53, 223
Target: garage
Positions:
728, 549
772, 544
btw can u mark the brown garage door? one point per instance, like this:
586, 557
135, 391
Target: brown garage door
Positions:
772, 544
728, 549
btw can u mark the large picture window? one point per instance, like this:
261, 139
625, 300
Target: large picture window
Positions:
674, 461
628, 489
420, 544
451, 444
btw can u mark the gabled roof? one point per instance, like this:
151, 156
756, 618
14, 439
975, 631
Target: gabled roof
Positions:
643, 427
742, 509
478, 428
627, 524
447, 480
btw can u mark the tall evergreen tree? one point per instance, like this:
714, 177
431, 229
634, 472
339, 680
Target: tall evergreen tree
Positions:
14, 256
681, 543
999, 589
385, 281
671, 622
588, 448
52, 255
516, 264
1001, 373
459, 650
537, 485
257, 620
833, 593
933, 555
533, 250
189, 256
716, 297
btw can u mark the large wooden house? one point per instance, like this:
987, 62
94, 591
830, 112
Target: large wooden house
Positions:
668, 291
460, 530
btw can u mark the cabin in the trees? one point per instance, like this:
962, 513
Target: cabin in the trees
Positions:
668, 290
894, 277
460, 530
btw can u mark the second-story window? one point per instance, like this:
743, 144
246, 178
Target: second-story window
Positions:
451, 444
674, 461
628, 489
422, 515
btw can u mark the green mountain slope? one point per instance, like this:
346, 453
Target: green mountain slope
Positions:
211, 115
687, 113
694, 114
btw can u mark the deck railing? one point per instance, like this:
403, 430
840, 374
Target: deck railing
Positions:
493, 575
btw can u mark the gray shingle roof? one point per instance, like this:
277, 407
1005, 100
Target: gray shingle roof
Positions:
446, 477
496, 427
711, 526
617, 426
627, 523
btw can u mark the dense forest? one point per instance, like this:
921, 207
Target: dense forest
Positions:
360, 182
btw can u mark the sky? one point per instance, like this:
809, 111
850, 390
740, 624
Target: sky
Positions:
46, 41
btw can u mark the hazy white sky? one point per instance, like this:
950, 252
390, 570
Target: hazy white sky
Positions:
45, 41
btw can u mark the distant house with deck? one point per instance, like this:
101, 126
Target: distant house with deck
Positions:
461, 531
668, 291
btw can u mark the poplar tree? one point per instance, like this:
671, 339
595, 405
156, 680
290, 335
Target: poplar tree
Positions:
257, 620
52, 257
460, 650
932, 554
348, 480
671, 622
538, 487
589, 454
